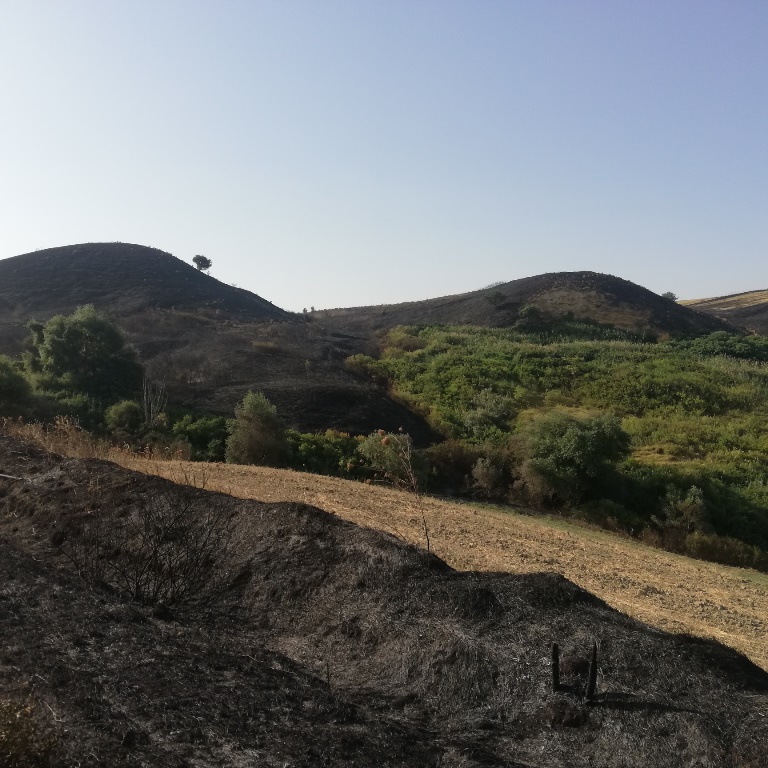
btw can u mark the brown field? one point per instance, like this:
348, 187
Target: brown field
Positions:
737, 301
667, 591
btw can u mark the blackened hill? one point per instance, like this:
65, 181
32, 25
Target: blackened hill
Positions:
120, 278
585, 296
749, 309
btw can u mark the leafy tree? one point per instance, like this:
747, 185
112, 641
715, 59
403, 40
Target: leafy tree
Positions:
125, 417
669, 295
203, 263
15, 390
84, 353
207, 436
257, 435
574, 455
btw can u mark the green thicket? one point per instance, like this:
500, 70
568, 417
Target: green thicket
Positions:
548, 417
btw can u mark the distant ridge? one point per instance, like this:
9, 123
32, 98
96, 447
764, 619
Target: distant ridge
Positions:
120, 278
749, 309
586, 296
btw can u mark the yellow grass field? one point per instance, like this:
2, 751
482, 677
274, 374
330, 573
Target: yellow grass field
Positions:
668, 591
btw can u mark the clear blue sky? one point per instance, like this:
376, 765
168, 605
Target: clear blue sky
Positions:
334, 153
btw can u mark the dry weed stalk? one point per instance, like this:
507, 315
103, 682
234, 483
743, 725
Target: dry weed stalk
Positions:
592, 676
406, 478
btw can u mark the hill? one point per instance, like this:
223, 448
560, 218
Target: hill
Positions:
330, 644
210, 342
583, 296
749, 309
122, 279
207, 341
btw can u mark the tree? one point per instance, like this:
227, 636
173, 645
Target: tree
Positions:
257, 435
202, 263
84, 353
669, 295
15, 390
574, 455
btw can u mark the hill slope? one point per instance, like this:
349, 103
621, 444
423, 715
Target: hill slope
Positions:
119, 278
332, 644
748, 309
207, 341
586, 296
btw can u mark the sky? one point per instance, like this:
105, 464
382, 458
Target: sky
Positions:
333, 153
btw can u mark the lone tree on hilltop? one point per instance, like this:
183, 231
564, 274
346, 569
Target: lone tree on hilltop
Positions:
670, 295
203, 263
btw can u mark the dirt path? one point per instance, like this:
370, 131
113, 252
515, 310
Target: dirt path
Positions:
668, 591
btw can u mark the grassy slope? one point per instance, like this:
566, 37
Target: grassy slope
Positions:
698, 414
668, 591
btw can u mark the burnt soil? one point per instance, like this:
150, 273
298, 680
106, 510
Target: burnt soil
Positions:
586, 296
208, 342
319, 642
749, 309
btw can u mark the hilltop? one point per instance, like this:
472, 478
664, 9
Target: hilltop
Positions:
323, 643
583, 296
207, 341
748, 309
122, 279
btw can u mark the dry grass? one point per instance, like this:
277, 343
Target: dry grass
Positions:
668, 591
737, 301
671, 592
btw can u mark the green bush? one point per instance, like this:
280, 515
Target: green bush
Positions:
84, 353
15, 390
257, 435
391, 458
124, 418
326, 453
725, 550
206, 435
575, 455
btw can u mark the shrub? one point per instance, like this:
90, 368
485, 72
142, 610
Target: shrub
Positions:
575, 455
85, 353
681, 515
450, 465
725, 550
124, 417
257, 435
487, 476
206, 435
168, 549
15, 390
327, 453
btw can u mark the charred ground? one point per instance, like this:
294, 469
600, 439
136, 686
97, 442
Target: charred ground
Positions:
586, 296
330, 644
749, 309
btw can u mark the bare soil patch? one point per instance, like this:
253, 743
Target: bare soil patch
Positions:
668, 591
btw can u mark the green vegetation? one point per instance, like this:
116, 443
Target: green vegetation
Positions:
203, 263
663, 439
84, 354
257, 434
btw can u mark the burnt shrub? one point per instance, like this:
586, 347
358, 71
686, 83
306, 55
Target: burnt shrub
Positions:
169, 548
